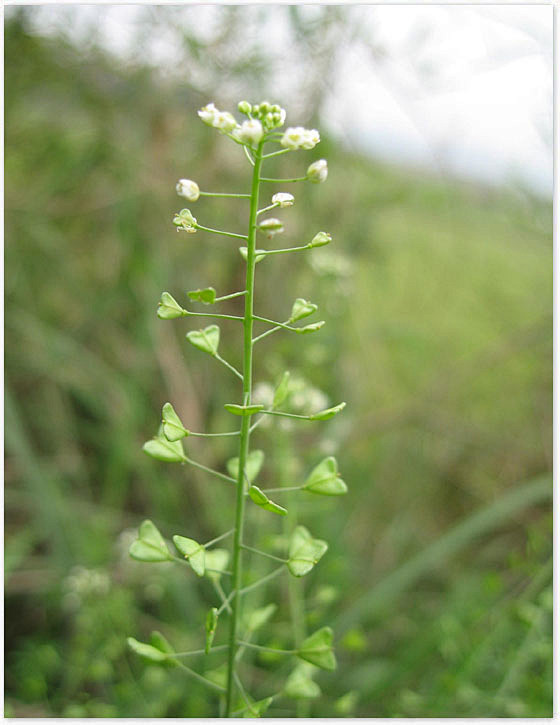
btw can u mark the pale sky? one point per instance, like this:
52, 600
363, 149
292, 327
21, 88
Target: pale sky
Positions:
463, 89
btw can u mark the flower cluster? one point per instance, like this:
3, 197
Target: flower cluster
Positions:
300, 138
270, 115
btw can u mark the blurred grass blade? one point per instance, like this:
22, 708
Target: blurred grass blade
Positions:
482, 522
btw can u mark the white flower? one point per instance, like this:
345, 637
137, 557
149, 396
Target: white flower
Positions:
188, 189
184, 220
283, 199
300, 138
222, 120
208, 113
311, 138
318, 171
293, 138
250, 132
271, 226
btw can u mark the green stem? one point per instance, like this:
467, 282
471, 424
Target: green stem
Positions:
267, 208
274, 322
219, 231
267, 649
230, 196
200, 678
263, 553
210, 470
269, 332
218, 538
235, 371
214, 435
212, 314
285, 250
284, 181
264, 579
284, 415
244, 432
276, 153
231, 296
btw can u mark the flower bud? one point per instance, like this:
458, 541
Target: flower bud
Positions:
271, 226
184, 220
318, 171
320, 239
244, 107
188, 189
283, 199
250, 132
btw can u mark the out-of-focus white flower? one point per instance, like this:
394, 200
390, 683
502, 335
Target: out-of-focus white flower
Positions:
311, 138
250, 132
318, 171
208, 113
263, 394
283, 199
188, 189
271, 226
222, 120
184, 220
300, 138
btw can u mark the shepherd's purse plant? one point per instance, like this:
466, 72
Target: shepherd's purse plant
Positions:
303, 551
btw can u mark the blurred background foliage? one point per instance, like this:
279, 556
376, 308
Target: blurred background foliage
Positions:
438, 301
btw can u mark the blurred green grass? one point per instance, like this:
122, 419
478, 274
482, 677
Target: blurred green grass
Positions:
438, 301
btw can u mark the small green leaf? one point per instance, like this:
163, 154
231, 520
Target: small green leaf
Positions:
211, 624
218, 675
206, 295
173, 429
164, 450
243, 409
146, 650
150, 545
299, 684
309, 328
168, 307
262, 500
318, 650
304, 551
346, 704
258, 617
258, 254
281, 392
216, 563
193, 552
206, 340
301, 308
258, 708
324, 479
320, 239
253, 465
158, 641
328, 412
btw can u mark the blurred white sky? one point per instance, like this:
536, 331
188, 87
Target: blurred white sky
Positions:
461, 89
